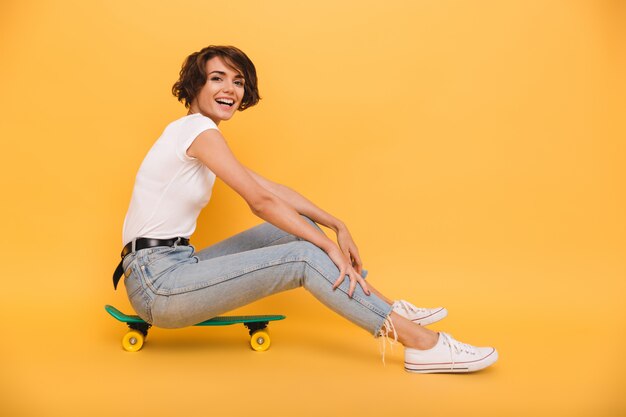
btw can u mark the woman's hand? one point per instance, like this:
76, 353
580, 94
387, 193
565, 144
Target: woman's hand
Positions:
349, 249
345, 268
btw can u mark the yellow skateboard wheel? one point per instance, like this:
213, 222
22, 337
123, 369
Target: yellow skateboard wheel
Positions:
132, 341
260, 340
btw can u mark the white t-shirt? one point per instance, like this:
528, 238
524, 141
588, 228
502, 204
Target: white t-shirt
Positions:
171, 188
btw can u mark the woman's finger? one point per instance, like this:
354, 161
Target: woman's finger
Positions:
355, 264
357, 259
363, 285
352, 286
342, 276
337, 283
358, 268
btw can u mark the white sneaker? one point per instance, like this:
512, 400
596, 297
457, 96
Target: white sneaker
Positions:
421, 316
449, 355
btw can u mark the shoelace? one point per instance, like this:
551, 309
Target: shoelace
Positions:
410, 308
383, 334
457, 346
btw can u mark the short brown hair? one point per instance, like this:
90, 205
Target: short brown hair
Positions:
193, 74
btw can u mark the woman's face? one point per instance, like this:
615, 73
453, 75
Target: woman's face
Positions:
222, 93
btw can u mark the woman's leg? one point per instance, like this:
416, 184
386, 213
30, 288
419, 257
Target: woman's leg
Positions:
170, 287
180, 290
410, 334
378, 293
266, 234
261, 236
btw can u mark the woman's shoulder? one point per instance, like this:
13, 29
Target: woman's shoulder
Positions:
190, 123
181, 132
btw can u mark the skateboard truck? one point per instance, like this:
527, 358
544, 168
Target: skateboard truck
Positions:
253, 327
142, 327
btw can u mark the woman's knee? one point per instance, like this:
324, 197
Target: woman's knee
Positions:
315, 257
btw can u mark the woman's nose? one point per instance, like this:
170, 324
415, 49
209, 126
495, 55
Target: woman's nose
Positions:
227, 86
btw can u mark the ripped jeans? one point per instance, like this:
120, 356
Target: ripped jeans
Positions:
174, 287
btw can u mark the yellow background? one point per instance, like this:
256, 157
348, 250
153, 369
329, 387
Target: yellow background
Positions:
476, 149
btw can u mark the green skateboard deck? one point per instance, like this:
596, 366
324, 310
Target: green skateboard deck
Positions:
138, 328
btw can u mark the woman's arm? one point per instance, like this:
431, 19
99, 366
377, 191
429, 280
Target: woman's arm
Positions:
306, 207
299, 202
211, 149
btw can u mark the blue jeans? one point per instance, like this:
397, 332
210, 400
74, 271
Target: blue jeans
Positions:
175, 287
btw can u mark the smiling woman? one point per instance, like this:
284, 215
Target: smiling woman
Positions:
171, 285
215, 63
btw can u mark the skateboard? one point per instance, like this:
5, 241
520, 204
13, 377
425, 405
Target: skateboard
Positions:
138, 329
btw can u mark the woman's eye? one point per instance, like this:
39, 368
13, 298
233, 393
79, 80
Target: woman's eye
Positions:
216, 79
239, 83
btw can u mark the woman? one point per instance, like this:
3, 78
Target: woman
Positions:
169, 285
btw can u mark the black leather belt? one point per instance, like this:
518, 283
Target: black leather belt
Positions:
144, 243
